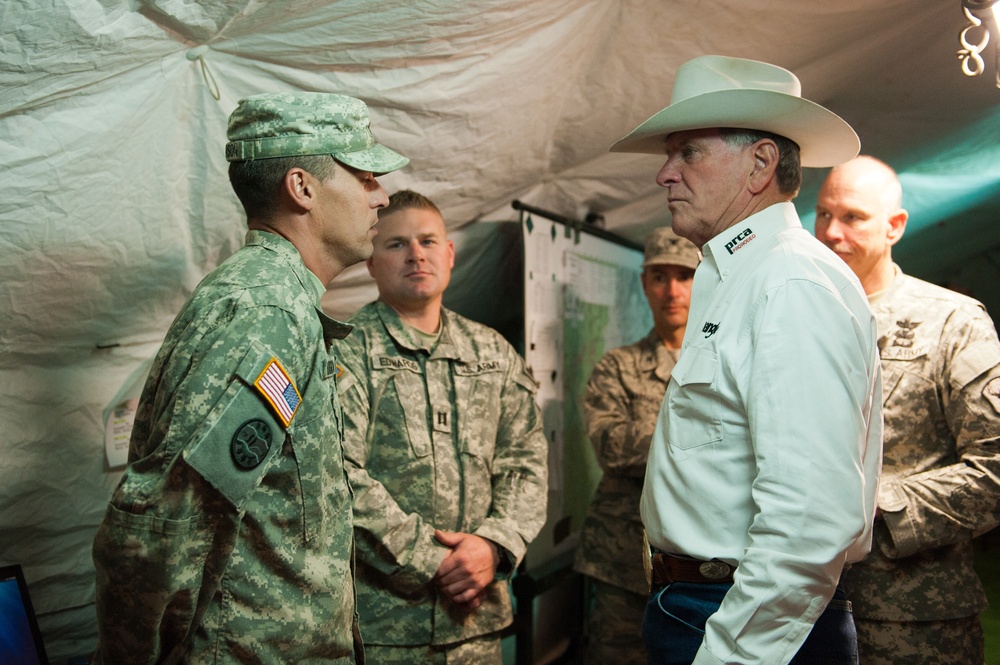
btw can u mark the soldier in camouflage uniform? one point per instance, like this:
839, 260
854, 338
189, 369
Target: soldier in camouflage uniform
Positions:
229, 538
445, 454
621, 404
916, 596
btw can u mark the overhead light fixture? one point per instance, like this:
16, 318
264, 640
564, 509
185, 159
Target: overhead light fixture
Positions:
984, 19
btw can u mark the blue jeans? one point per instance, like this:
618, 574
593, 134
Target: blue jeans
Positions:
674, 625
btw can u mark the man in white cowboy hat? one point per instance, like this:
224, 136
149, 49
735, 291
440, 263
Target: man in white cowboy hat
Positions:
763, 468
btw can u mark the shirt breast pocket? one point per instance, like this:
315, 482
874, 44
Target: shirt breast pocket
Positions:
399, 408
903, 376
694, 412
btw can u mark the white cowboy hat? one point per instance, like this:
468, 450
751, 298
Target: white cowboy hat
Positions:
716, 91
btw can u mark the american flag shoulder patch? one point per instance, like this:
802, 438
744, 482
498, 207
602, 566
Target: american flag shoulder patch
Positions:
277, 388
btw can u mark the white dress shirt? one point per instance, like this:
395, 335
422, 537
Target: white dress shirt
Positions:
767, 450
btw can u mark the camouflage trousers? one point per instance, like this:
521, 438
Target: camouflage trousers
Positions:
484, 650
952, 642
614, 626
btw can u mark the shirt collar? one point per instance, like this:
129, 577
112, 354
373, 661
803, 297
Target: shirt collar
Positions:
447, 345
290, 257
874, 298
737, 244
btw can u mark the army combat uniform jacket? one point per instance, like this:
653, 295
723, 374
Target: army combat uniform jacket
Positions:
440, 435
229, 538
621, 405
940, 482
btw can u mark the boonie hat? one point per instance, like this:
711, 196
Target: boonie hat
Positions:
718, 91
288, 124
664, 247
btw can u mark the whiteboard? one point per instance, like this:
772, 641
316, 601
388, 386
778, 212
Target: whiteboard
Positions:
582, 296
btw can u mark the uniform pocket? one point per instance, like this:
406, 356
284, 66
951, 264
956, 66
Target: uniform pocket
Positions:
479, 415
319, 456
694, 414
412, 400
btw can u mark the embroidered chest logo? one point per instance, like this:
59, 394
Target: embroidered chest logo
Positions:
740, 241
710, 328
904, 335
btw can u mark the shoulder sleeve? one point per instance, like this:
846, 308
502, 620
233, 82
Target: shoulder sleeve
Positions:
947, 504
174, 519
619, 434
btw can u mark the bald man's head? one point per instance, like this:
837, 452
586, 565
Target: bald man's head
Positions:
859, 216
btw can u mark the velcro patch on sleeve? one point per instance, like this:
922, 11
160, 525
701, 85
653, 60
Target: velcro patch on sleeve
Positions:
277, 388
991, 391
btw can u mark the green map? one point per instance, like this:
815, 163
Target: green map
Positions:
604, 308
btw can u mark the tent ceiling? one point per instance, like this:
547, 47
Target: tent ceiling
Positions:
502, 99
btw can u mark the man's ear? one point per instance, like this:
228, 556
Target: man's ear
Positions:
765, 162
897, 226
300, 187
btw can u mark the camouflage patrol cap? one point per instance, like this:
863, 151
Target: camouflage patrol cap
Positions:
663, 246
287, 124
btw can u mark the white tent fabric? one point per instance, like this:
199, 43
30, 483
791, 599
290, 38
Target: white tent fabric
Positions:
115, 201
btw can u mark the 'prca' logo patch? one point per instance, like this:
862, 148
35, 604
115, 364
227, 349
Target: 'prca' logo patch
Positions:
740, 241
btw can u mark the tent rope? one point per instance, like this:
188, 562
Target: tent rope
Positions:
198, 53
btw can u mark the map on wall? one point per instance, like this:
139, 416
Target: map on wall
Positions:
582, 297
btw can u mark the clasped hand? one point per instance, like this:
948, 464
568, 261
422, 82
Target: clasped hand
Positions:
468, 569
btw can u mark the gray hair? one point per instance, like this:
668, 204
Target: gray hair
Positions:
789, 171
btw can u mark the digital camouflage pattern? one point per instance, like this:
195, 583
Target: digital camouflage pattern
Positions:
664, 247
614, 627
473, 651
442, 435
951, 642
940, 482
620, 406
229, 538
289, 124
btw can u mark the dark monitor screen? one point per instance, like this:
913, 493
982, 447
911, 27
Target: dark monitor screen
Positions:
20, 639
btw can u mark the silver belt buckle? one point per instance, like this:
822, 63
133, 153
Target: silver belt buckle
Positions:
714, 570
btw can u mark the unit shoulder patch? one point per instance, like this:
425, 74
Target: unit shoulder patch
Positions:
251, 443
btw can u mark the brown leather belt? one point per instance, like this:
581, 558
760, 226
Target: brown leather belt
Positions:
667, 569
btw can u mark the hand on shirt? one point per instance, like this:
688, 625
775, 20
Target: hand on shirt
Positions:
470, 567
